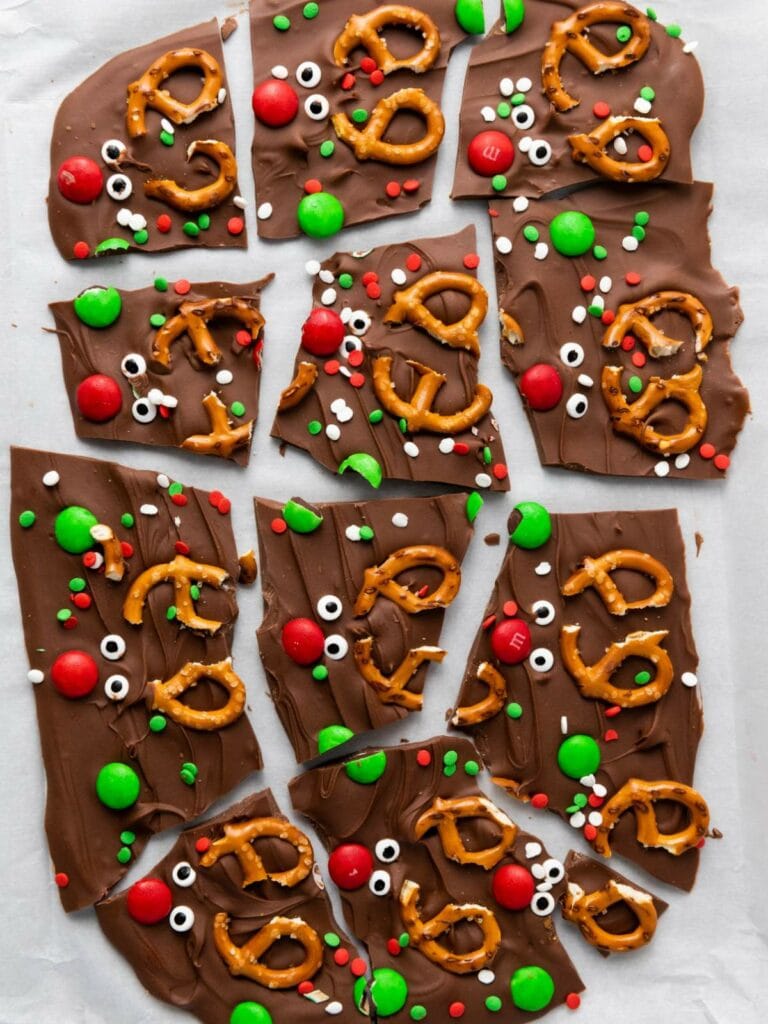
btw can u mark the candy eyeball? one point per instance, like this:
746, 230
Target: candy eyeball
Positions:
116, 687
112, 647
351, 344
308, 74
359, 321
572, 354
542, 904
119, 187
577, 406
143, 411
133, 365
317, 107
184, 874
387, 850
553, 870
329, 607
182, 919
541, 659
523, 117
380, 883
544, 612
336, 647
112, 151
539, 152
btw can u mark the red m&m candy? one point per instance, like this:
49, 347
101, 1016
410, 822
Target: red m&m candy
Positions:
541, 386
350, 866
490, 153
303, 641
323, 332
511, 641
275, 103
80, 179
513, 886
99, 398
74, 674
149, 901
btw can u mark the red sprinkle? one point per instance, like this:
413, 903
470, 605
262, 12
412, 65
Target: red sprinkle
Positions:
61, 878
165, 412
722, 461
71, 622
377, 77
645, 153
332, 367
214, 497
357, 380
612, 711
411, 185
628, 342
393, 189
126, 548
224, 506
632, 277
373, 291
456, 1010
590, 832
471, 261
510, 608
235, 225
243, 338
357, 967
601, 110
610, 735
423, 591
163, 223
639, 359
573, 1000
608, 317
500, 471
341, 957
588, 283
707, 450
393, 947
595, 800
356, 357
304, 987
81, 250
461, 448
413, 262
203, 844
179, 499
701, 843
82, 601
312, 185
181, 547
539, 800
368, 65
493, 213
487, 623
369, 276
278, 525
424, 758
348, 82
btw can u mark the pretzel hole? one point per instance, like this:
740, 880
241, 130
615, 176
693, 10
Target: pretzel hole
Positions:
635, 586
183, 85
462, 937
276, 855
669, 417
671, 816
419, 577
478, 834
603, 37
205, 695
402, 41
449, 305
618, 919
406, 126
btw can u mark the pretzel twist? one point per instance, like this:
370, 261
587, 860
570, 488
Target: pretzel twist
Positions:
195, 200
299, 388
424, 935
444, 815
238, 838
114, 562
568, 36
182, 572
595, 680
640, 795
193, 319
630, 418
245, 961
381, 580
223, 438
409, 307
363, 30
583, 908
592, 148
417, 411
490, 705
368, 143
596, 572
634, 319
145, 91
511, 331
391, 689
165, 695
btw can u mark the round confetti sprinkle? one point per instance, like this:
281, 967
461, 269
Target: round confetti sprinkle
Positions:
27, 518
493, 1003
424, 758
117, 786
578, 756
514, 710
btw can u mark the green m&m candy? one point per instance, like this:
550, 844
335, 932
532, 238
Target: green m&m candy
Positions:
300, 519
470, 16
514, 15
572, 233
117, 786
98, 307
578, 756
72, 529
250, 1013
532, 988
332, 736
320, 215
389, 991
367, 770
364, 464
534, 528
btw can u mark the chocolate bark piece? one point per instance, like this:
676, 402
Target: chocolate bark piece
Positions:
127, 591
245, 870
158, 114
585, 876
551, 122
310, 71
521, 699
182, 364
608, 331
423, 859
388, 367
354, 596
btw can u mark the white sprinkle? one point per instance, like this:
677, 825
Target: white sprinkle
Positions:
345, 371
352, 533
177, 522
595, 818
688, 679
544, 886
398, 276
564, 724
599, 789
661, 469
483, 480
97, 560
51, 478
579, 314
336, 404
606, 283
532, 850
585, 380
524, 85
488, 114
620, 145
630, 243
400, 519
163, 481
35, 676
520, 204
682, 461
332, 432
411, 449
643, 106
224, 377
690, 47
264, 211
222, 95
327, 276
360, 254
137, 222
599, 301
312, 267
317, 996
446, 446
169, 401
279, 71
543, 569
486, 977
577, 820
334, 1008
541, 251
155, 395
328, 297
148, 510
166, 125
504, 245
537, 870
506, 87
525, 143
346, 315
587, 780
345, 415
239, 202
123, 217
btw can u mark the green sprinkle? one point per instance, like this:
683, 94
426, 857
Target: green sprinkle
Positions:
346, 280
311, 11
376, 416
487, 457
474, 504
450, 757
127, 520
124, 855
157, 723
281, 22
204, 221
472, 768
572, 809
237, 409
651, 13
157, 320
595, 310
63, 614
359, 116
498, 183
418, 1012
127, 838
514, 710
580, 800
319, 673
111, 245
327, 148
600, 252
503, 109
493, 1003
167, 139
403, 425
449, 770
404, 940
642, 678
161, 284
194, 592
635, 385
623, 33
141, 237
638, 231
188, 773
675, 31
518, 99
27, 518
175, 487
531, 233
170, 613
642, 218
331, 939
191, 229
366, 533
76, 584
648, 93
314, 427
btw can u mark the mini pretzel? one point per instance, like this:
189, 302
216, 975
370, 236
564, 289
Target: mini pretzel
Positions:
444, 814
409, 307
381, 579
193, 318
196, 200
392, 689
568, 36
424, 935
369, 143
363, 30
634, 319
596, 572
244, 961
114, 563
299, 388
630, 418
490, 705
181, 572
583, 908
165, 694
595, 680
417, 412
592, 149
640, 795
238, 838
223, 438
144, 92
511, 331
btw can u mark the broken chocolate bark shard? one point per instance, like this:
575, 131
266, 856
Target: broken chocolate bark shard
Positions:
576, 93
233, 919
620, 348
386, 379
453, 902
127, 588
174, 365
354, 598
347, 119
581, 689
143, 153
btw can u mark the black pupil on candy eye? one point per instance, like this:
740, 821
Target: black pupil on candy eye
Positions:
143, 408
333, 648
118, 185
306, 75
541, 152
116, 686
179, 918
379, 885
111, 647
183, 872
580, 407
132, 366
113, 152
541, 901
316, 107
389, 852
572, 356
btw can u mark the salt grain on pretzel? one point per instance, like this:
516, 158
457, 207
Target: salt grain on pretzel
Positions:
639, 795
165, 694
369, 143
207, 196
362, 30
146, 92
594, 681
634, 319
630, 418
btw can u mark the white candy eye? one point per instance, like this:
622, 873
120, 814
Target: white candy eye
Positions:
184, 874
112, 150
359, 321
544, 612
308, 74
572, 354
387, 850
133, 365
523, 117
116, 688
351, 344
540, 153
317, 107
143, 411
541, 659
577, 406
119, 187
336, 647
112, 647
329, 607
181, 919
553, 870
542, 904
380, 883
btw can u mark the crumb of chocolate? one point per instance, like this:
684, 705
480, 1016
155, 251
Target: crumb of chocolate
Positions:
492, 539
699, 541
